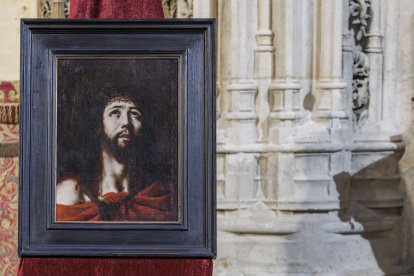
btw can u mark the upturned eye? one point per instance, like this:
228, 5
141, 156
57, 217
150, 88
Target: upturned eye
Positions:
115, 113
135, 114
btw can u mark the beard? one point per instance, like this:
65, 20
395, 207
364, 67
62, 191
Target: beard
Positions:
122, 150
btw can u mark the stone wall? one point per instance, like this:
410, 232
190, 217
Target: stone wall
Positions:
406, 90
311, 116
12, 11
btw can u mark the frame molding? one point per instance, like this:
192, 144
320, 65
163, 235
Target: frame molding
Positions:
41, 42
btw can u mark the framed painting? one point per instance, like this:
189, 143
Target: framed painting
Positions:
117, 153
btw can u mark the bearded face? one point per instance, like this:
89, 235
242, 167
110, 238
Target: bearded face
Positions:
121, 124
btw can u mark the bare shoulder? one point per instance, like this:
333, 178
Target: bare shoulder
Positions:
68, 192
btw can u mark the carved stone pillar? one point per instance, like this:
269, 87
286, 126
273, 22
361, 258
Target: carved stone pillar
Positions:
264, 54
329, 85
390, 118
285, 88
284, 94
374, 51
238, 90
58, 9
242, 89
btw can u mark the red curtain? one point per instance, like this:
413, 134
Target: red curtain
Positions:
116, 9
115, 266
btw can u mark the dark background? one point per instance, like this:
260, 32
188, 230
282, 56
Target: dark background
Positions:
79, 82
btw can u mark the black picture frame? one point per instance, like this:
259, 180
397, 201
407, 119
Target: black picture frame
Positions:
44, 42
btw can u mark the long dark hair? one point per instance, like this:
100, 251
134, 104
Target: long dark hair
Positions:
79, 153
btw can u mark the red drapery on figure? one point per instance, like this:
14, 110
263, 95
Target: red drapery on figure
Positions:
115, 266
154, 203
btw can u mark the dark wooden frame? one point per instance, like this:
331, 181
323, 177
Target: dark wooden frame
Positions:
41, 41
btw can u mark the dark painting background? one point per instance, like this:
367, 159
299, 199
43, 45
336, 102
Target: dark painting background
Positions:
79, 82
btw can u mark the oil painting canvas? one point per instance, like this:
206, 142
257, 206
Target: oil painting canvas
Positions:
117, 139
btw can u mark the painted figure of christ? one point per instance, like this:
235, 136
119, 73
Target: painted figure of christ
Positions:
117, 182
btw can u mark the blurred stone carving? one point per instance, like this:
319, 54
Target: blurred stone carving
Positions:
66, 8
178, 8
359, 22
45, 9
54, 8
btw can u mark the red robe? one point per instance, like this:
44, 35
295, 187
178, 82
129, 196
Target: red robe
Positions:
154, 203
